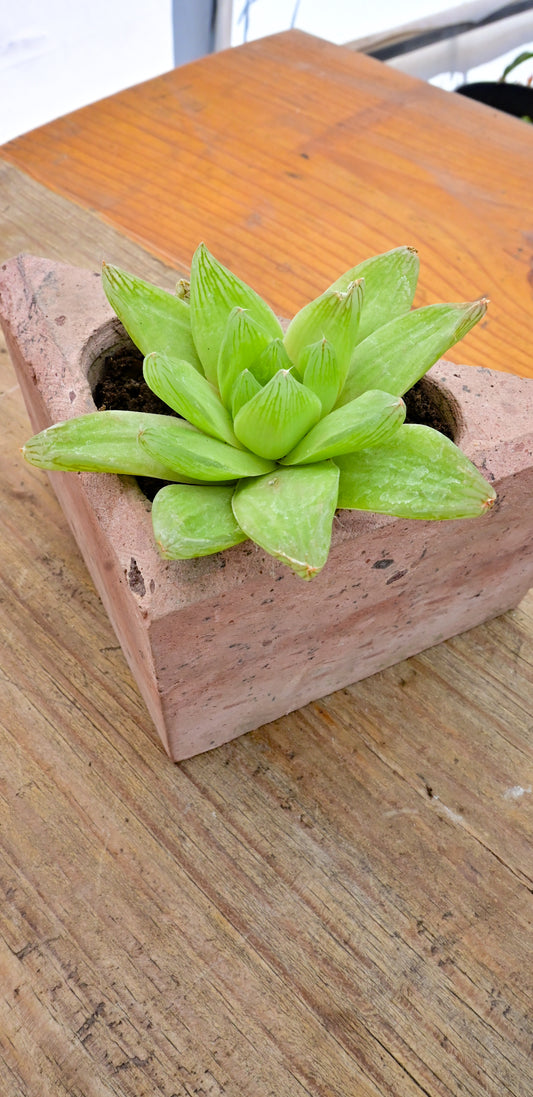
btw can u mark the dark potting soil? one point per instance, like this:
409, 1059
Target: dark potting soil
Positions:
121, 386
423, 407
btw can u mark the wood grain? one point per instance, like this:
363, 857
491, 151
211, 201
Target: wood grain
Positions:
294, 159
337, 905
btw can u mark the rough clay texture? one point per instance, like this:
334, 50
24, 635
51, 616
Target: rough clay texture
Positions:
223, 644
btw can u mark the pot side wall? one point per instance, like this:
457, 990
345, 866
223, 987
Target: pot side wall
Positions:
223, 644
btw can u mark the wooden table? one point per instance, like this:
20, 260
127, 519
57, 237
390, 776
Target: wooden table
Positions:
338, 905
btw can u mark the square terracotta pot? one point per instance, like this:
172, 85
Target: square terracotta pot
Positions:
223, 644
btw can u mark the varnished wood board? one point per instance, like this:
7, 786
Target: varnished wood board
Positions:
294, 159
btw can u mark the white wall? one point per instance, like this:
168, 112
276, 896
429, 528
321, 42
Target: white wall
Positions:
57, 55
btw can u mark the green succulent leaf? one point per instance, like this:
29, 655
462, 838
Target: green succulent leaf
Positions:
390, 285
418, 473
289, 513
153, 318
190, 394
333, 316
193, 521
367, 421
244, 388
398, 354
242, 343
103, 441
272, 359
320, 372
277, 417
195, 455
525, 56
214, 292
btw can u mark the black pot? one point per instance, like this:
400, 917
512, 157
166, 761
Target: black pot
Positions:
514, 99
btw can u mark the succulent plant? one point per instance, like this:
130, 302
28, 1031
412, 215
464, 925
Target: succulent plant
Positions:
277, 429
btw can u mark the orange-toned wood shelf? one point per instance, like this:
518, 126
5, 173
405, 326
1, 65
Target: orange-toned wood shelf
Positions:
294, 159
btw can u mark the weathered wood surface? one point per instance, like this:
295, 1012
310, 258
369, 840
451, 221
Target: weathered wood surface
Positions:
294, 159
337, 905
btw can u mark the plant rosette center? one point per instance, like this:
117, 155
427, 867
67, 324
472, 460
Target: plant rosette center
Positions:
277, 430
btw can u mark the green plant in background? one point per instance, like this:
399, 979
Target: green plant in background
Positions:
278, 429
519, 60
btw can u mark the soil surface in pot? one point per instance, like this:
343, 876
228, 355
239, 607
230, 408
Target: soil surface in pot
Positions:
121, 386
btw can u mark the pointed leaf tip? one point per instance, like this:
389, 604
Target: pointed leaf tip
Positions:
243, 341
244, 388
104, 441
289, 513
275, 419
321, 372
418, 473
214, 292
395, 356
390, 284
334, 316
154, 319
